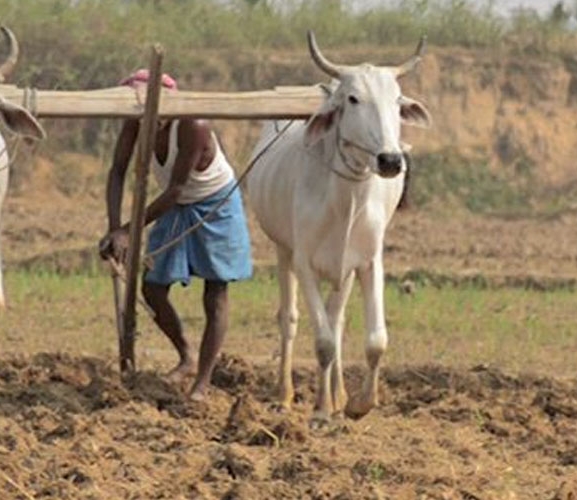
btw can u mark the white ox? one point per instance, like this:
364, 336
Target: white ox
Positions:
324, 193
19, 121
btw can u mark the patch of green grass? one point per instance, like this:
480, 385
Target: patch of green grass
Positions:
471, 183
511, 191
516, 329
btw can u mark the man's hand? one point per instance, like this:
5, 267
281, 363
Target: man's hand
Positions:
114, 244
105, 247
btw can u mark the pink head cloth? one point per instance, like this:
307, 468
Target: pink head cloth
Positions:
140, 77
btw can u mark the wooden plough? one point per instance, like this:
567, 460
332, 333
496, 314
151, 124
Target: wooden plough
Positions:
125, 102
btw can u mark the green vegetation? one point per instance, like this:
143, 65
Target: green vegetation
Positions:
509, 191
92, 43
472, 184
515, 328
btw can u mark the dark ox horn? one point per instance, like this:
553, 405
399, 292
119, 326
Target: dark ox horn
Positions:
8, 65
409, 65
321, 61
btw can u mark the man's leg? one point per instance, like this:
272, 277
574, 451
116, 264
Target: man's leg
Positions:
215, 301
167, 319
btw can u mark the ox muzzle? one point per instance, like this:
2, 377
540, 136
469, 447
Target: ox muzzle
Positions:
389, 164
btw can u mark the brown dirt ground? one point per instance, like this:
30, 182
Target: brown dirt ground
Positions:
69, 429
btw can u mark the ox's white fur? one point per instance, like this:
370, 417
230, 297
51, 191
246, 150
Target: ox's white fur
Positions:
324, 193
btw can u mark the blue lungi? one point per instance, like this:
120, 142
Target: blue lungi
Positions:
219, 250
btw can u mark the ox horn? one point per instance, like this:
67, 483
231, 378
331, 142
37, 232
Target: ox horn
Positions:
409, 65
8, 65
321, 61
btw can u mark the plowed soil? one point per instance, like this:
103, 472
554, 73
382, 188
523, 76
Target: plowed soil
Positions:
69, 429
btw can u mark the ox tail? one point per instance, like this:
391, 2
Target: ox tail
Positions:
405, 201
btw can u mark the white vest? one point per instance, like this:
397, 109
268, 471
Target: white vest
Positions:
199, 185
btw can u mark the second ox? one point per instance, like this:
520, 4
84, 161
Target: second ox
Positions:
19, 121
324, 193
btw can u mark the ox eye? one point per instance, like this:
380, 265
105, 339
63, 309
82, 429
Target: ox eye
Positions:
353, 99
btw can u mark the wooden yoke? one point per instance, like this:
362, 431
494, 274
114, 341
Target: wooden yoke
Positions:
146, 136
122, 102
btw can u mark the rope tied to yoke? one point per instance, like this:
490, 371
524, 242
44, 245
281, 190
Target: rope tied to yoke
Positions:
30, 101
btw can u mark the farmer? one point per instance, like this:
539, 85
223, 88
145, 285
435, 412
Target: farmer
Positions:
195, 176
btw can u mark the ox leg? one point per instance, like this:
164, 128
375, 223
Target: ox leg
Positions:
2, 299
288, 322
372, 287
336, 304
3, 187
324, 342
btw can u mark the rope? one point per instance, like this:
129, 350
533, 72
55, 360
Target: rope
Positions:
8, 162
26, 98
15, 152
149, 257
361, 176
33, 102
30, 100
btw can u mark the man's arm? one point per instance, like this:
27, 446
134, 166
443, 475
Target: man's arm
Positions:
117, 174
193, 138
115, 241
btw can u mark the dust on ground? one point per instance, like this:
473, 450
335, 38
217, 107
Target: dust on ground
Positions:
70, 429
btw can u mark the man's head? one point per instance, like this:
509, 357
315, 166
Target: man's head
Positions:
141, 76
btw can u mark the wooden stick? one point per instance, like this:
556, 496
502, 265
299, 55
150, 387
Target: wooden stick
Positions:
119, 312
119, 271
145, 147
123, 102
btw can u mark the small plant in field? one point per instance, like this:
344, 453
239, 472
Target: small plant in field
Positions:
377, 472
373, 471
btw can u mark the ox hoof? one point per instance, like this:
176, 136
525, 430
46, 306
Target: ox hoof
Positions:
357, 407
338, 415
319, 420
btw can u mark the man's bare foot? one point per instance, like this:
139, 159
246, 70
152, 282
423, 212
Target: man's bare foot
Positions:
197, 396
197, 392
180, 374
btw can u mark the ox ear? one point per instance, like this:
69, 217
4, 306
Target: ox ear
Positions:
20, 121
319, 125
414, 113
